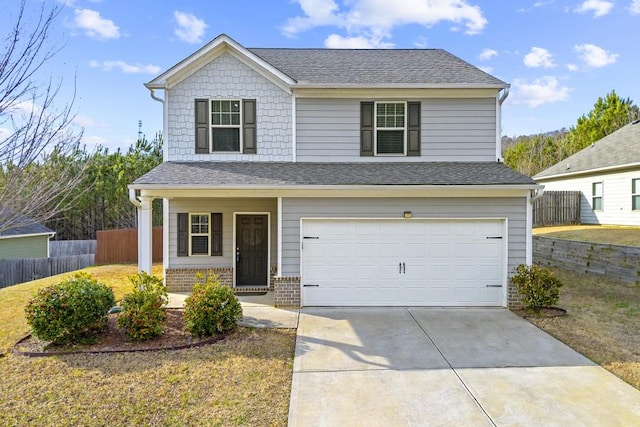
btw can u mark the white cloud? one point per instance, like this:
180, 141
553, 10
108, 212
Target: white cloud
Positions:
545, 90
125, 67
190, 28
572, 67
598, 7
487, 54
594, 56
25, 108
5, 134
375, 19
539, 57
634, 7
334, 41
96, 26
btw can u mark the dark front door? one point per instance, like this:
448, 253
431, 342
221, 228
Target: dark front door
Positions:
251, 250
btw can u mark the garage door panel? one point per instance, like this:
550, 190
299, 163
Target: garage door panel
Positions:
415, 262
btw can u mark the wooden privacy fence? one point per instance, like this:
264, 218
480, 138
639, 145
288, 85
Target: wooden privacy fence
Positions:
13, 271
58, 248
121, 246
557, 208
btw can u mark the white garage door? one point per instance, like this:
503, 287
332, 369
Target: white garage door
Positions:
411, 262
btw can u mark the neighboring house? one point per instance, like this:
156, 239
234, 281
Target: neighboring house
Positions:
608, 175
25, 238
337, 177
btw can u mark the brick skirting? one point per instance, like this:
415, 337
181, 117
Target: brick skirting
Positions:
514, 300
286, 291
183, 279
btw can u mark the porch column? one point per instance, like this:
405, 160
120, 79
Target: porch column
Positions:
145, 252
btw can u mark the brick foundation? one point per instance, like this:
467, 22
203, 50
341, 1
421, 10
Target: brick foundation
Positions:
514, 300
286, 291
183, 279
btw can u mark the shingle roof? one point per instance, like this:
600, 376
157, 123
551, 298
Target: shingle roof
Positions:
376, 66
270, 174
619, 148
20, 224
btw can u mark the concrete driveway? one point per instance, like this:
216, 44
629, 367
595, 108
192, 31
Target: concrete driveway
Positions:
444, 367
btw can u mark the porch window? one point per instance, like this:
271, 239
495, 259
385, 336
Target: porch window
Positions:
596, 196
635, 194
199, 234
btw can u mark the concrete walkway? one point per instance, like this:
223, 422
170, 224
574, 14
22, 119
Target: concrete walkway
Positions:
467, 367
258, 311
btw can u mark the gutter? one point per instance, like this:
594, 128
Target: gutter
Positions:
505, 93
153, 94
537, 193
133, 198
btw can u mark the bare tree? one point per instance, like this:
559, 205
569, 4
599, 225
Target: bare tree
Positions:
39, 144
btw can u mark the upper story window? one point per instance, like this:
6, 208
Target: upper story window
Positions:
390, 128
596, 196
635, 194
225, 126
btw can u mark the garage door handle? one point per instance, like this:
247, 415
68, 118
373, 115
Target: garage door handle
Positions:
494, 237
310, 286
494, 286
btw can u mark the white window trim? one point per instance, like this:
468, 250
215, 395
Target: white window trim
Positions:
207, 214
594, 196
636, 193
375, 129
239, 127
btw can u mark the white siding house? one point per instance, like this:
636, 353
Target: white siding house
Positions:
607, 173
330, 178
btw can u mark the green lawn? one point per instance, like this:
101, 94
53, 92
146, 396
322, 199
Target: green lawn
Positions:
244, 379
613, 234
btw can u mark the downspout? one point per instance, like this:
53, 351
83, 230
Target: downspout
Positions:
499, 101
154, 97
537, 193
133, 198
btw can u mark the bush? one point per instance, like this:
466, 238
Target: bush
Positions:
211, 308
64, 312
142, 314
537, 286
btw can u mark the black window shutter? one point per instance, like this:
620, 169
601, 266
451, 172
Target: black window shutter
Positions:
202, 126
249, 126
183, 234
216, 234
413, 129
366, 128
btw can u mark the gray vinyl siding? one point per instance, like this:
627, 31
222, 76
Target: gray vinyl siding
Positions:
24, 247
616, 196
328, 130
227, 207
293, 209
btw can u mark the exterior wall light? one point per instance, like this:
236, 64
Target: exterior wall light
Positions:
408, 214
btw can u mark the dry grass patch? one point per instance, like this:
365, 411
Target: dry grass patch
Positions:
602, 322
611, 234
242, 380
15, 298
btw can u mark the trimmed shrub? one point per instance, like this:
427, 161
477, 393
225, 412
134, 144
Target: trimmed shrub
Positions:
142, 314
537, 285
211, 308
64, 312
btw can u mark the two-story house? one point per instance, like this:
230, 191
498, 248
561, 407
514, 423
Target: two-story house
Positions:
337, 177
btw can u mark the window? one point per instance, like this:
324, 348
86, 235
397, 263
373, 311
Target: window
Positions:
199, 234
390, 128
596, 191
225, 125
635, 194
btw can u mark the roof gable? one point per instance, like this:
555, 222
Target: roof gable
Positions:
291, 68
19, 224
617, 150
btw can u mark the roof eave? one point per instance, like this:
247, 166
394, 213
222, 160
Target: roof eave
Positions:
303, 85
587, 171
532, 186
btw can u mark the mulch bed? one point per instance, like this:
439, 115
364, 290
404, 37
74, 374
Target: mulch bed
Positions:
545, 312
113, 340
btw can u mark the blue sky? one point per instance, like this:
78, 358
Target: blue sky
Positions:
558, 55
